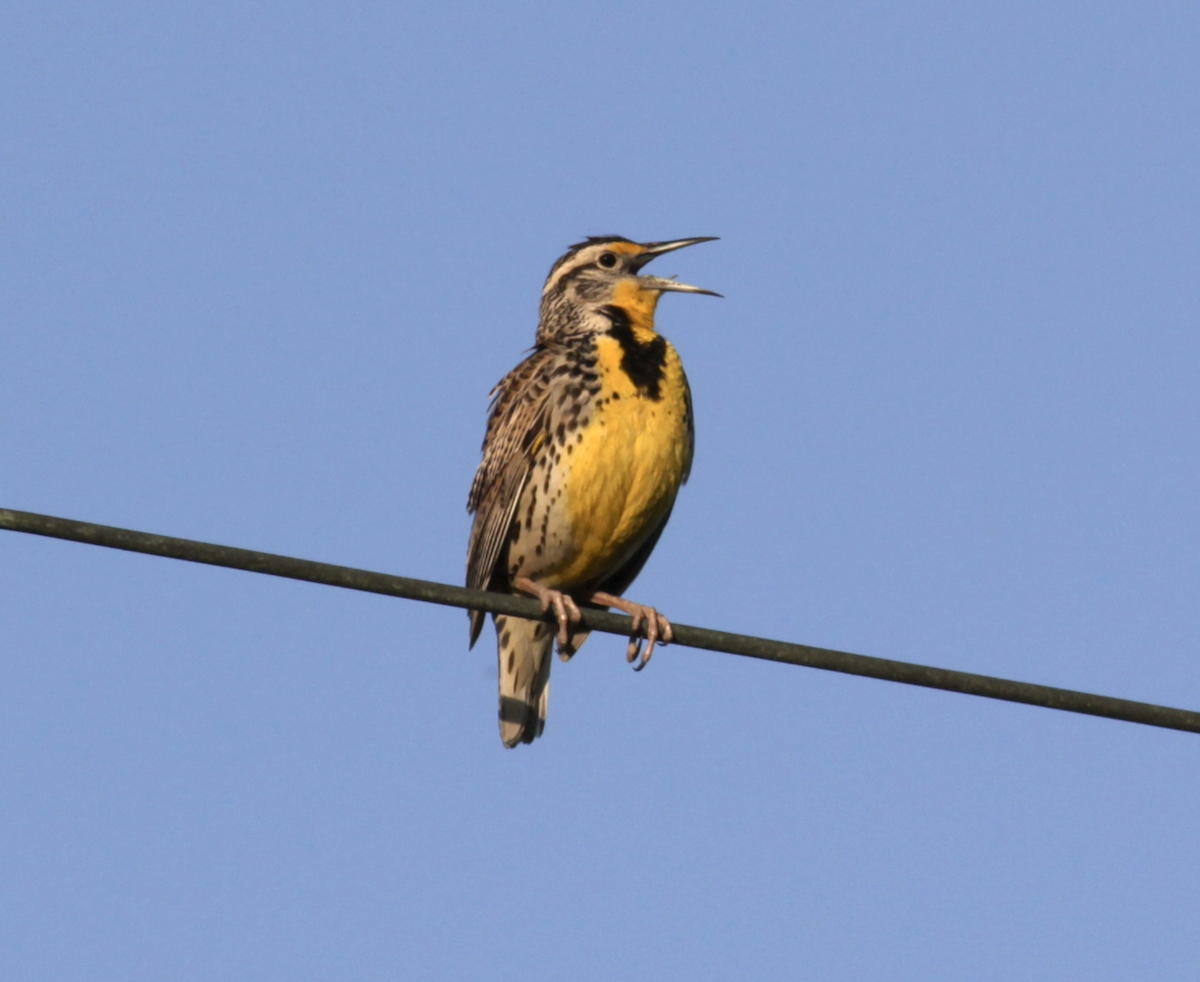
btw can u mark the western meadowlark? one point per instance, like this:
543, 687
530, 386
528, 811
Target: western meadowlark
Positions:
588, 441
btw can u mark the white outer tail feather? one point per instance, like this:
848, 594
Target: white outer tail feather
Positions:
523, 648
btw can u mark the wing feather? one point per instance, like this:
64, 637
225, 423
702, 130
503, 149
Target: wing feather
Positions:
516, 430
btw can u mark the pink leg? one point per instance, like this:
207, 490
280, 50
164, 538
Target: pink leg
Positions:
658, 628
565, 608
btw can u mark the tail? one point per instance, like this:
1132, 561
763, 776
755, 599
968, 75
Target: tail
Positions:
524, 652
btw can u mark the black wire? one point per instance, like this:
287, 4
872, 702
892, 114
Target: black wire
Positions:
693, 637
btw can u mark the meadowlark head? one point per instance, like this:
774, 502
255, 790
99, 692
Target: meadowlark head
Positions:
602, 272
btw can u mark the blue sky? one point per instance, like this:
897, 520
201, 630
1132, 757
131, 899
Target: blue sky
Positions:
261, 265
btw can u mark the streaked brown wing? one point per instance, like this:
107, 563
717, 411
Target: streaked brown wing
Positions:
516, 430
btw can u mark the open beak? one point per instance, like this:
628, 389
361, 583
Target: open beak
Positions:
672, 286
652, 250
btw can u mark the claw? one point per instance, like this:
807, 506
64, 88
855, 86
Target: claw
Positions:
668, 632
648, 623
566, 612
634, 647
659, 631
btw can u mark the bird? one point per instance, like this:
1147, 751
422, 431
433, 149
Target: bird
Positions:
588, 441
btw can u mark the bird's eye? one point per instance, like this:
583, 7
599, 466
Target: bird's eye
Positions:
608, 260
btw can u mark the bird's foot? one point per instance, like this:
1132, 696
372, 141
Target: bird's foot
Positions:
565, 609
657, 628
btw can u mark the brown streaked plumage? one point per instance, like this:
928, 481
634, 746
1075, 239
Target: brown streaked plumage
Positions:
587, 444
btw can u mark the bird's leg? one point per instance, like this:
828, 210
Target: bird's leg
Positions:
658, 628
565, 608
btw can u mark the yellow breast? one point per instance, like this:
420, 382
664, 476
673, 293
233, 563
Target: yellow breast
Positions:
626, 470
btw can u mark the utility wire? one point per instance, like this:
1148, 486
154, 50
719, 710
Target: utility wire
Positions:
597, 620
